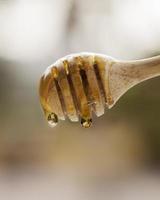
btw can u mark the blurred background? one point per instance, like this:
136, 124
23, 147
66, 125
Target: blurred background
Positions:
119, 156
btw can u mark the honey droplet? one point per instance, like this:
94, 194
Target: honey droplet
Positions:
52, 119
86, 123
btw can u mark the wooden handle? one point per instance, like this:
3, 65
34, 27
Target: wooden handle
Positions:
126, 74
143, 69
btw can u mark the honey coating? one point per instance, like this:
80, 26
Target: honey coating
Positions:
75, 87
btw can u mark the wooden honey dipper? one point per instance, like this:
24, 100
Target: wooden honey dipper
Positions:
79, 84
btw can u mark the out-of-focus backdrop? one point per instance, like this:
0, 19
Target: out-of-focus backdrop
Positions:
118, 157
